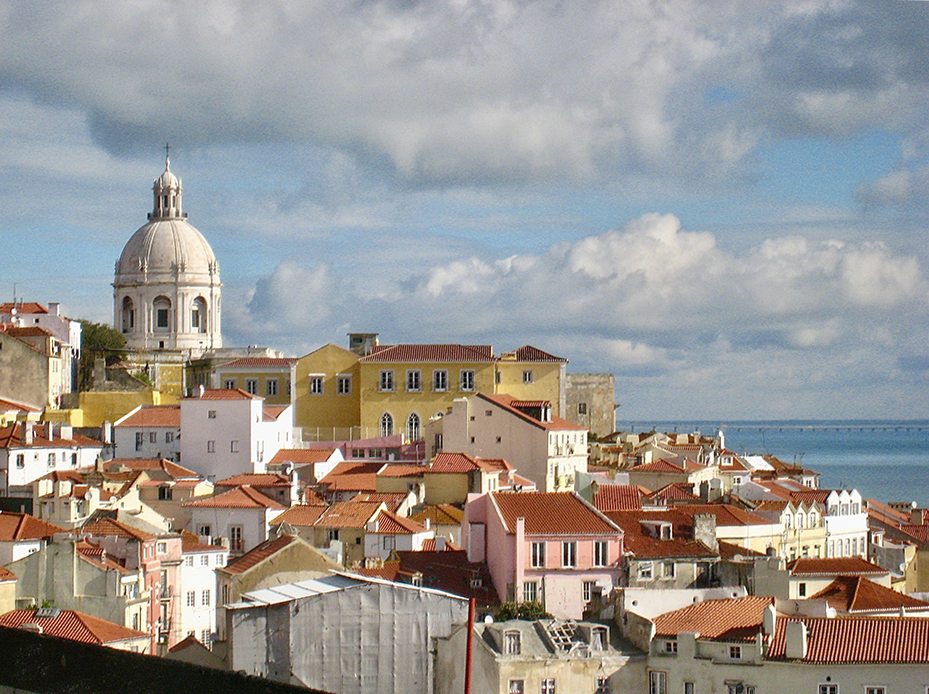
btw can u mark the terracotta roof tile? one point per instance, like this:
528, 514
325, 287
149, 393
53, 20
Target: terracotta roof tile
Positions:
271, 413
678, 464
258, 479
619, 497
259, 362
237, 497
300, 516
430, 353
530, 353
224, 394
836, 566
12, 437
9, 405
190, 544
22, 526
393, 500
452, 463
258, 554
153, 416
172, 470
429, 546
551, 513
76, 626
637, 539
675, 491
346, 514
22, 307
858, 594
352, 476
441, 514
391, 524
726, 515
107, 527
7, 575
301, 456
846, 640
401, 470
735, 619
506, 402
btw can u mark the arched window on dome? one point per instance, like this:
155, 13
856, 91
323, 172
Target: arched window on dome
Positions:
161, 314
412, 427
198, 315
128, 315
387, 424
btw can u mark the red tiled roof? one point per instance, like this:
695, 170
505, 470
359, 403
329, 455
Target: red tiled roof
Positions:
22, 307
858, 594
917, 532
300, 516
107, 527
259, 362
255, 479
734, 619
301, 456
836, 566
347, 514
429, 546
676, 465
237, 497
22, 526
885, 513
506, 402
452, 463
72, 625
530, 353
391, 524
401, 470
551, 513
190, 544
637, 540
258, 554
846, 640
619, 497
441, 514
7, 575
676, 491
172, 470
726, 515
430, 353
352, 476
12, 437
393, 500
270, 413
224, 394
10, 405
153, 416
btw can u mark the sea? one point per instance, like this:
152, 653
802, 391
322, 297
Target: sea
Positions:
886, 460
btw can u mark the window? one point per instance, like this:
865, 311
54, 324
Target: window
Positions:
735, 652
205, 637
139, 440
343, 385
569, 554
670, 646
527, 377
271, 387
688, 688
188, 561
412, 427
205, 597
21, 460
537, 555
251, 386
233, 446
316, 385
801, 590
191, 598
389, 543
164, 493
467, 383
547, 685
516, 687
601, 553
51, 460
204, 531
229, 384
161, 318
738, 688
828, 689
645, 570
386, 383
211, 414
169, 437
235, 539
414, 381
512, 644
204, 560
210, 446
667, 569
531, 591
332, 534
875, 690
440, 380
387, 427
603, 686
599, 637
153, 437
588, 590
657, 682
582, 408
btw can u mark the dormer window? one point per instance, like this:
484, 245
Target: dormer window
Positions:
512, 643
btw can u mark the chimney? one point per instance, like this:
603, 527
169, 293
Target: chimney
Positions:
796, 640
439, 543
705, 530
27, 433
428, 524
54, 308
106, 432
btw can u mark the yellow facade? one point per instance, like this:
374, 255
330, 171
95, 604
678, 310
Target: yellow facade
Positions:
326, 395
537, 380
96, 407
272, 384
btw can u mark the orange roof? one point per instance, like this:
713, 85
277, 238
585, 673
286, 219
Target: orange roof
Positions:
441, 514
225, 394
22, 307
258, 554
301, 456
530, 353
433, 353
352, 476
153, 416
68, 624
259, 362
270, 413
391, 524
22, 526
551, 513
255, 479
12, 437
619, 497
300, 516
172, 470
190, 544
836, 566
7, 575
429, 546
676, 491
11, 405
237, 497
507, 403
734, 619
401, 470
726, 515
107, 527
452, 463
637, 540
858, 594
347, 514
393, 500
677, 465
845, 640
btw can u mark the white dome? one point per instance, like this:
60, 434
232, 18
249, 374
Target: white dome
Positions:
167, 247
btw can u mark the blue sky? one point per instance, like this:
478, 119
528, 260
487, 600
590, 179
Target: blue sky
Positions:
727, 207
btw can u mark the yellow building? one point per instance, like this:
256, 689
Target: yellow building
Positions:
380, 390
268, 377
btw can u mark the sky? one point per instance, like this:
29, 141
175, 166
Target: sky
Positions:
725, 204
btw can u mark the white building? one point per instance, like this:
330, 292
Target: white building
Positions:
149, 431
166, 293
240, 517
29, 450
389, 532
230, 432
198, 588
548, 450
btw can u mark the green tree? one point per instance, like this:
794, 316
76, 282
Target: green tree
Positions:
98, 341
529, 611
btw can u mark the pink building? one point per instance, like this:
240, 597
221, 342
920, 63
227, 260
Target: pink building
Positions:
550, 547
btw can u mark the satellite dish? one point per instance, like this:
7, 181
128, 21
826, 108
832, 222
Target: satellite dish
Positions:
87, 495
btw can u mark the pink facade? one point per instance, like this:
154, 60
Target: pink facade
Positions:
564, 569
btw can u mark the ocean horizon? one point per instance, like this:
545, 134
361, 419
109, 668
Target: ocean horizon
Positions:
884, 459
